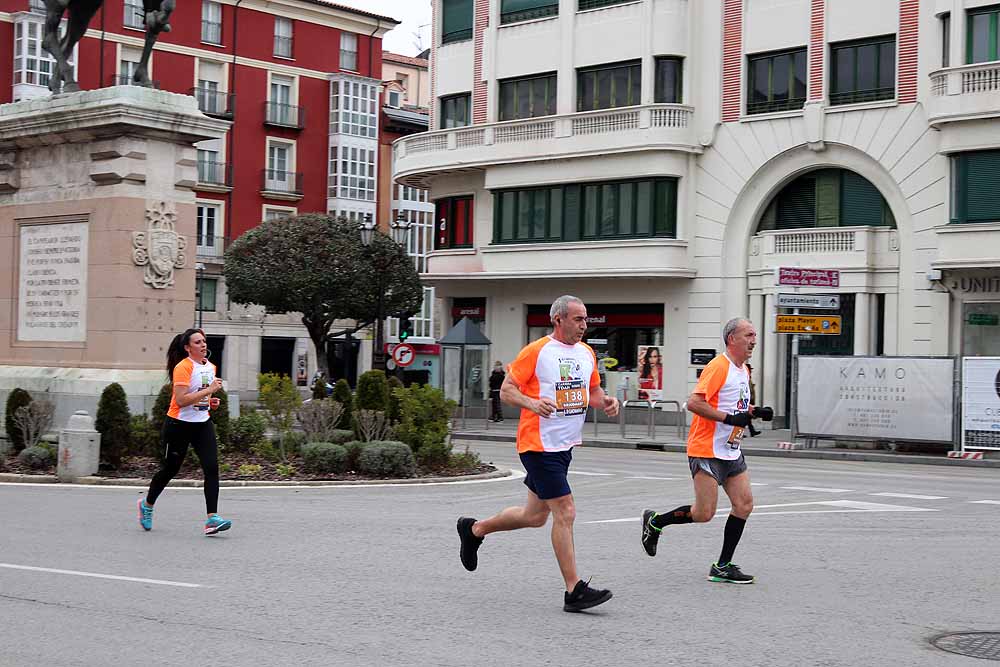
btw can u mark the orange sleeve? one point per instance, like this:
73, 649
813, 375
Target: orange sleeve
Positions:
182, 373
712, 378
522, 369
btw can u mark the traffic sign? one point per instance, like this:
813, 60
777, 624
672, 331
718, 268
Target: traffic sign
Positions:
819, 301
794, 275
823, 325
403, 355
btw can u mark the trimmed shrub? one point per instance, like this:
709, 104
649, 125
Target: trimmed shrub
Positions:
354, 449
293, 442
423, 424
373, 392
160, 407
340, 436
342, 394
144, 440
266, 449
319, 418
220, 417
114, 424
247, 430
319, 389
36, 458
324, 457
18, 398
387, 459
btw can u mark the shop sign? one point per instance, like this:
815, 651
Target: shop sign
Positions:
984, 319
793, 275
701, 356
468, 311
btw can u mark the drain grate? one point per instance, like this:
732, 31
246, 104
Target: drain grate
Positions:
985, 645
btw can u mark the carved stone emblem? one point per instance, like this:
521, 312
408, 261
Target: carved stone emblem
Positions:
160, 248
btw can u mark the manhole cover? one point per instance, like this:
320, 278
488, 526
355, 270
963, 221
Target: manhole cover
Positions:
985, 645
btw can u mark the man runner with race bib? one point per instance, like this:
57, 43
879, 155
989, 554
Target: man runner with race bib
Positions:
553, 381
722, 412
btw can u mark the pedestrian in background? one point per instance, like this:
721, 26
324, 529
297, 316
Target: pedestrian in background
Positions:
496, 381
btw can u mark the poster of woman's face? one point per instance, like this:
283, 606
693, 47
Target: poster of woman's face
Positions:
650, 369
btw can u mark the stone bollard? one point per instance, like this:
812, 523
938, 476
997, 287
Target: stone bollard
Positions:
79, 448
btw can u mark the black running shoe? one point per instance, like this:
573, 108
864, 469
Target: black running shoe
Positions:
470, 543
728, 574
650, 533
584, 597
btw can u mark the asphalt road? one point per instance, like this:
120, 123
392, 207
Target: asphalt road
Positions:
856, 564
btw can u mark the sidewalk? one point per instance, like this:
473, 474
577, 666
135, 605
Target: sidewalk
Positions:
667, 440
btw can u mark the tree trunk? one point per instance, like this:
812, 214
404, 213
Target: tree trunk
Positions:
318, 333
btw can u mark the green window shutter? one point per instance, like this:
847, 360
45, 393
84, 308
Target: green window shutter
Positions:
797, 205
666, 208
571, 213
524, 10
456, 22
861, 202
827, 198
981, 201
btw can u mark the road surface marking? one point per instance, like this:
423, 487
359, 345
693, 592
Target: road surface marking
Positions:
985, 502
158, 582
840, 505
909, 495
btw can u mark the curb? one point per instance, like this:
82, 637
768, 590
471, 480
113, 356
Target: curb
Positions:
196, 483
826, 454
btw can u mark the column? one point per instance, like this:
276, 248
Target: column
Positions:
566, 76
862, 324
891, 333
957, 38
767, 391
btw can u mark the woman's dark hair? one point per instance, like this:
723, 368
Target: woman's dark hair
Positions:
176, 352
647, 371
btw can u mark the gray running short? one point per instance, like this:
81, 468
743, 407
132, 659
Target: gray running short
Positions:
720, 469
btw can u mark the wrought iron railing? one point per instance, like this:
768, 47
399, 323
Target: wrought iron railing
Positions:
284, 115
279, 180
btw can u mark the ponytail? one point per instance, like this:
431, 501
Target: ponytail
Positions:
176, 352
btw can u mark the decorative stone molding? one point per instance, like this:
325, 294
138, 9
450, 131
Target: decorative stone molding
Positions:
894, 241
754, 246
160, 248
10, 175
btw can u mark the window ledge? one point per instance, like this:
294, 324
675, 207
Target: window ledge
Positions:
960, 227
540, 19
289, 58
452, 252
774, 115
445, 45
568, 245
597, 9
861, 106
129, 27
215, 44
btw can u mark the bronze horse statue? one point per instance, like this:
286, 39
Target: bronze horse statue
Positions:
157, 17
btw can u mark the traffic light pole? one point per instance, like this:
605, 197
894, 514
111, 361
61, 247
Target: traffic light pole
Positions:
378, 353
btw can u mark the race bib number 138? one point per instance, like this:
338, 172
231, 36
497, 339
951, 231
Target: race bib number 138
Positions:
571, 397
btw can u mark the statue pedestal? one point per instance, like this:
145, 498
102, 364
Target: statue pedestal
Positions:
97, 222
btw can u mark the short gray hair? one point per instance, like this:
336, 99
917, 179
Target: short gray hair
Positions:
731, 327
560, 307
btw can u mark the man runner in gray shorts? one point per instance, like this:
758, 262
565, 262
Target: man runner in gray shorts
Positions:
722, 412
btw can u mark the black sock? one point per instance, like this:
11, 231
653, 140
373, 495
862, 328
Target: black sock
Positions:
734, 531
680, 515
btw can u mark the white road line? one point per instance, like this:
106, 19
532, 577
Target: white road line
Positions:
758, 484
665, 479
841, 505
591, 474
874, 507
158, 582
908, 495
985, 502
815, 488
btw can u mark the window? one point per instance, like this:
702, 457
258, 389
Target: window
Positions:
777, 82
279, 109
528, 97
827, 198
392, 99
37, 7
210, 170
597, 4
608, 86
279, 175
211, 22
128, 65
981, 42
863, 71
512, 11
457, 23
589, 211
974, 186
208, 96
945, 40
282, 37
352, 173
209, 223
208, 287
353, 108
454, 222
349, 51
669, 80
32, 63
277, 213
455, 110
135, 14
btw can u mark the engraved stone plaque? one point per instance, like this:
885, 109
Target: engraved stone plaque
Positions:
52, 300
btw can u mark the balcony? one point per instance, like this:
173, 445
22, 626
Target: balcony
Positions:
214, 103
863, 249
211, 32
969, 92
639, 128
280, 184
973, 245
284, 115
211, 249
214, 176
622, 258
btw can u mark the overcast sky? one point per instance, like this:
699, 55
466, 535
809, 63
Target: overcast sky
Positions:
415, 16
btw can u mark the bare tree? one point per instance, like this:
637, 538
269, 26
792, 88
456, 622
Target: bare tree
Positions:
373, 425
34, 420
319, 419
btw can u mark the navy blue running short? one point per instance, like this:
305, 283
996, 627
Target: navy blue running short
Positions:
547, 473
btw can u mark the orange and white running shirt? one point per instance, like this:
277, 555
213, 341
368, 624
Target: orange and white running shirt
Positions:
195, 377
564, 373
726, 387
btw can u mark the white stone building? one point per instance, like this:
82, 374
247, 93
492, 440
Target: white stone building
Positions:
661, 159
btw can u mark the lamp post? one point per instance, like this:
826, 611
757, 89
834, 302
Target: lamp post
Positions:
400, 229
200, 268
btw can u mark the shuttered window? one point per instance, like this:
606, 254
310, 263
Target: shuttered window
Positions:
861, 202
974, 187
528, 97
512, 11
827, 198
777, 81
863, 70
981, 39
608, 86
456, 25
590, 211
797, 204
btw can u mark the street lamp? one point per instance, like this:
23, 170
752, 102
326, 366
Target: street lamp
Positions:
400, 229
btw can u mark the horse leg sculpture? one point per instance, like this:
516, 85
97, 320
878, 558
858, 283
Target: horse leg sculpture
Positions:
157, 20
80, 13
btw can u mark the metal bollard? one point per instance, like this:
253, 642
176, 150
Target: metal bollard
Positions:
79, 448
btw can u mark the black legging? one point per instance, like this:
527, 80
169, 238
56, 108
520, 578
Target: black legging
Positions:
177, 435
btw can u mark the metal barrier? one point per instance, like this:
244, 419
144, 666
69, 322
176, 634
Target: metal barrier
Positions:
621, 416
680, 412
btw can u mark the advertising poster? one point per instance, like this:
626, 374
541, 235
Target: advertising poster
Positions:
981, 403
650, 369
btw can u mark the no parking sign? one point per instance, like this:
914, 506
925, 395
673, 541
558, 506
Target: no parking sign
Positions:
404, 355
